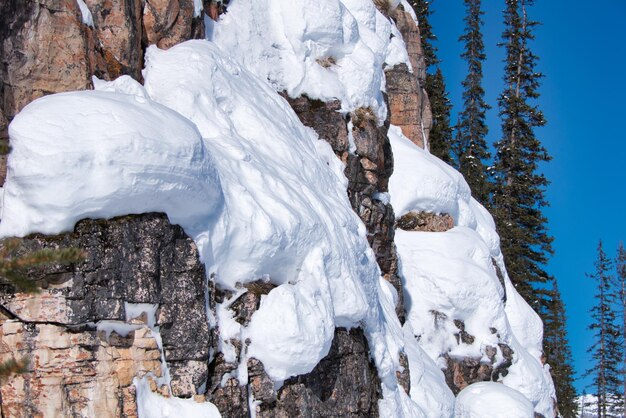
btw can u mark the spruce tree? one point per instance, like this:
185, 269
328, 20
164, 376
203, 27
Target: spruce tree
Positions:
440, 138
620, 262
519, 188
605, 347
470, 148
558, 353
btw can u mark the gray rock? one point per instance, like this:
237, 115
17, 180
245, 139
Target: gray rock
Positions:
135, 259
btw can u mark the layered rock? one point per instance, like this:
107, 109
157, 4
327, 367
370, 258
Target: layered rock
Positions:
45, 47
136, 267
409, 107
345, 383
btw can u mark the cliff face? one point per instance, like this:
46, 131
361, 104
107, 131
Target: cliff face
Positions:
218, 310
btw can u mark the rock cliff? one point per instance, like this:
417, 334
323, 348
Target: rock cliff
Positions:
151, 314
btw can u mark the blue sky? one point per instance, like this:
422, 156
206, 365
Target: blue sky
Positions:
582, 51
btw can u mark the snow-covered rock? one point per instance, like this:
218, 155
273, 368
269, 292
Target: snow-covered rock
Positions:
451, 276
492, 400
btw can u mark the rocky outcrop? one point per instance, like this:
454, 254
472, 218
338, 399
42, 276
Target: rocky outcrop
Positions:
409, 107
425, 222
46, 48
141, 276
345, 383
43, 49
461, 372
368, 168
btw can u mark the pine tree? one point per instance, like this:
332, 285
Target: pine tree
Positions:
518, 194
440, 138
605, 348
620, 262
558, 353
470, 147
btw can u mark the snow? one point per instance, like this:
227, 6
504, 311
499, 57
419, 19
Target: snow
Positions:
97, 154
85, 13
286, 214
428, 387
423, 182
283, 41
451, 276
153, 405
492, 400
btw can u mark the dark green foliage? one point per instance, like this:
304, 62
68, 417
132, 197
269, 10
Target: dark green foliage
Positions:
519, 188
470, 148
440, 136
558, 352
14, 268
605, 350
620, 262
12, 366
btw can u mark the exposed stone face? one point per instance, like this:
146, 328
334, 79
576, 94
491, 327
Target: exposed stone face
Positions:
117, 27
462, 372
344, 384
412, 39
409, 107
367, 169
425, 222
130, 260
74, 371
45, 48
42, 49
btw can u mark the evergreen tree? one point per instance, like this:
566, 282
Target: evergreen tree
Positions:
621, 287
440, 138
605, 348
470, 147
558, 353
518, 195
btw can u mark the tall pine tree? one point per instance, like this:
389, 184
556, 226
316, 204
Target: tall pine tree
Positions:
620, 262
440, 138
558, 352
518, 196
605, 347
470, 148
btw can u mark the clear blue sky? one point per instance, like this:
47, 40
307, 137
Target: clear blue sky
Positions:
582, 51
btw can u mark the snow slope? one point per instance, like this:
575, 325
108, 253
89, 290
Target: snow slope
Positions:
451, 275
